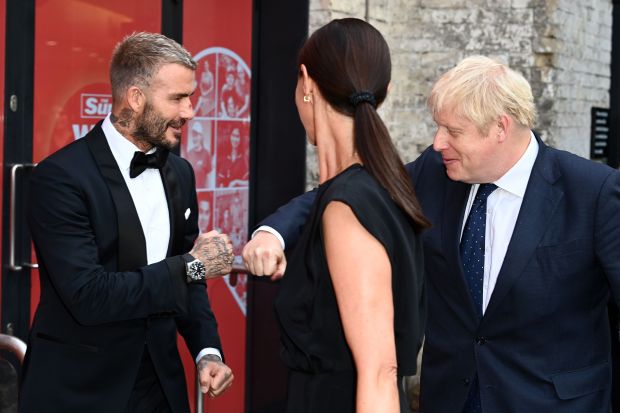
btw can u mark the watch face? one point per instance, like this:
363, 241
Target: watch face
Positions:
196, 270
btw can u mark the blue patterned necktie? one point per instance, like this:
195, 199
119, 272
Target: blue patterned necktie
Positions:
472, 258
472, 244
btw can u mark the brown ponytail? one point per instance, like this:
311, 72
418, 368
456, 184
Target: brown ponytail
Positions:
350, 62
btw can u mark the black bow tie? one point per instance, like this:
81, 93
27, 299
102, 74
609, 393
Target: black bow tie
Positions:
141, 161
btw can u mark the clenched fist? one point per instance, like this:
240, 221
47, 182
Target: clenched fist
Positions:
215, 251
264, 255
215, 377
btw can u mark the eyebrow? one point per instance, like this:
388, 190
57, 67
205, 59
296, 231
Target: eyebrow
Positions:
182, 95
451, 128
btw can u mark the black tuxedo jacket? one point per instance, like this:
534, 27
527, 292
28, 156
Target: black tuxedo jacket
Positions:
100, 303
543, 344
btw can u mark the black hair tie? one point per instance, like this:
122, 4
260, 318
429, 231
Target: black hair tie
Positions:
361, 97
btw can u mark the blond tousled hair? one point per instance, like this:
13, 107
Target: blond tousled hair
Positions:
481, 89
139, 56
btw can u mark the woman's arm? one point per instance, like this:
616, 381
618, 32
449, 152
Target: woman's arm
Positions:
362, 277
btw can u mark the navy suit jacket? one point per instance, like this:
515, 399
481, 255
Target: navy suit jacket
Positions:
100, 303
544, 341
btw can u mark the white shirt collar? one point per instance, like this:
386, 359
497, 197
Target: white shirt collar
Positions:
122, 149
516, 179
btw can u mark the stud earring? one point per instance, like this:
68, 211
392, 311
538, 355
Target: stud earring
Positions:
308, 98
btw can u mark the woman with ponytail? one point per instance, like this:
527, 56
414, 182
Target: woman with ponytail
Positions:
351, 306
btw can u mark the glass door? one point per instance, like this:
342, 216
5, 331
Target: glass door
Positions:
58, 55
73, 44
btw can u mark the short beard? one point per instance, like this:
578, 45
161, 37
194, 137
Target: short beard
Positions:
151, 128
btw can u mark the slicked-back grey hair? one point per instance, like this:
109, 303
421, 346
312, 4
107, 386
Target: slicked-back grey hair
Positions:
139, 56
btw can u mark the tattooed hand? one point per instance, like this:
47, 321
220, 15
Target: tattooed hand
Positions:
216, 253
215, 376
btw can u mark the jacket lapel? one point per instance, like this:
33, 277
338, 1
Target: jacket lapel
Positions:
539, 203
131, 242
175, 208
454, 210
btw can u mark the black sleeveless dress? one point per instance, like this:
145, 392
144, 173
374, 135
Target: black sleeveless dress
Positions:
322, 372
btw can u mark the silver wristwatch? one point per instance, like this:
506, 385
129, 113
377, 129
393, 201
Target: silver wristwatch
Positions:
194, 269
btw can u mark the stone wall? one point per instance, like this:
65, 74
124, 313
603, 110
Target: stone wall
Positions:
563, 47
575, 43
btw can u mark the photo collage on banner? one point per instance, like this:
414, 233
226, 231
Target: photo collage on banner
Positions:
218, 147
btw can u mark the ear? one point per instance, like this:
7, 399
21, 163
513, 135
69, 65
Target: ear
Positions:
306, 82
135, 99
503, 124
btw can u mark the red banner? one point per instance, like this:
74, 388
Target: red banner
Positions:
219, 35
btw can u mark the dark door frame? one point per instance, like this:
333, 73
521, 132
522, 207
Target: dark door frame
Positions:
172, 19
277, 174
18, 127
172, 27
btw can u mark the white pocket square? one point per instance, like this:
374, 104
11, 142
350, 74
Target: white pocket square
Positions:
187, 212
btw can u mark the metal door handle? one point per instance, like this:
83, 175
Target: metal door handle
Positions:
199, 406
13, 218
14, 345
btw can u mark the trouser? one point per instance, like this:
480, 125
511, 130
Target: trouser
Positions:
147, 395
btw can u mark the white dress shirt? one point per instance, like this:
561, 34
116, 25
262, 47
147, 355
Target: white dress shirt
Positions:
149, 198
147, 193
503, 207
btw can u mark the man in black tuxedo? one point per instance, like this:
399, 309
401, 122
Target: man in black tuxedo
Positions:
114, 220
521, 260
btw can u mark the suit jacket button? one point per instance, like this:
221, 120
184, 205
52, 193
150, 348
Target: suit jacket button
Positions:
466, 382
481, 340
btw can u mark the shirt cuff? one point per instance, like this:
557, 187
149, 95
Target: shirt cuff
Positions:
207, 351
271, 231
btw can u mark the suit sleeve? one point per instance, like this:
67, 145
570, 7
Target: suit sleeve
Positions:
414, 168
198, 326
607, 232
289, 219
60, 223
